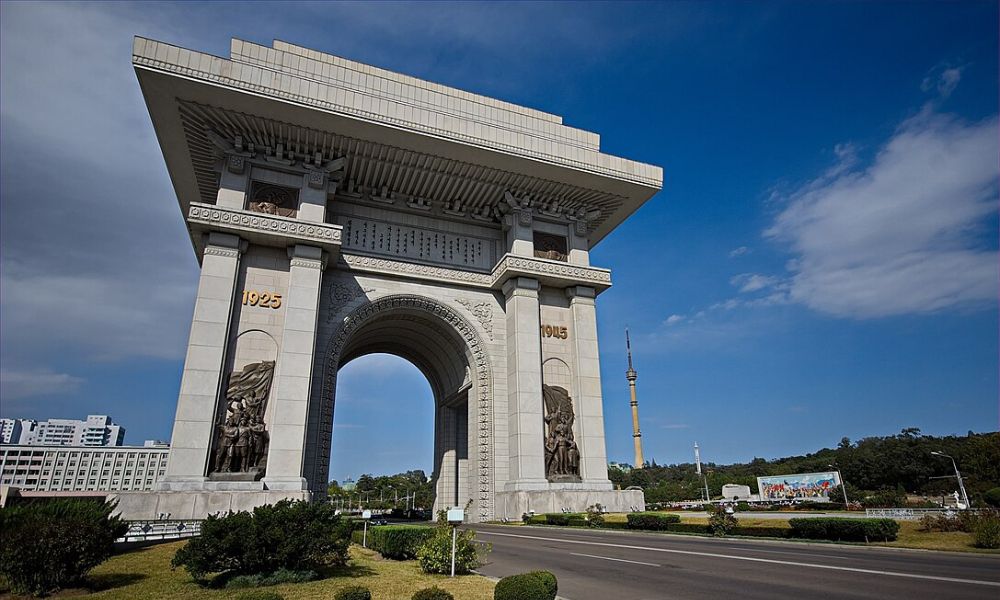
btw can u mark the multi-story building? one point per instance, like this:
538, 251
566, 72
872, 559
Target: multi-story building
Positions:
10, 431
81, 468
97, 430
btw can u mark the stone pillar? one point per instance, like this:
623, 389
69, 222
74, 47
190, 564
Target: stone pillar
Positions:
233, 183
293, 377
524, 386
204, 365
446, 483
589, 404
312, 197
579, 246
520, 234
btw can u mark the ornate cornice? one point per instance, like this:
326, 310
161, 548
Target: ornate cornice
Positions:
220, 251
262, 228
548, 272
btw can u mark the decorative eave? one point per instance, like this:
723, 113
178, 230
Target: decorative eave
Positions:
384, 122
263, 229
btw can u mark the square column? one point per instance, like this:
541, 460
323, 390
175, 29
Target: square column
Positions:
293, 377
589, 403
201, 381
524, 386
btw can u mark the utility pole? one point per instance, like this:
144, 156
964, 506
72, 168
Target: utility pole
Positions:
843, 486
631, 375
697, 469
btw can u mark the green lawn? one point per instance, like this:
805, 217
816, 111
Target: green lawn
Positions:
145, 573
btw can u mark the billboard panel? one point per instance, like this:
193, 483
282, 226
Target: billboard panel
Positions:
800, 486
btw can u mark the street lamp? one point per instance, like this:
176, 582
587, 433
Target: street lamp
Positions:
843, 486
958, 476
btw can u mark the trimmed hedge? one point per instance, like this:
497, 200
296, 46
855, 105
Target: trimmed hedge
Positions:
398, 542
651, 521
259, 595
354, 592
556, 519
548, 580
848, 530
525, 586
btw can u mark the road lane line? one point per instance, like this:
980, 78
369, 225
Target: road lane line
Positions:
634, 562
753, 559
792, 553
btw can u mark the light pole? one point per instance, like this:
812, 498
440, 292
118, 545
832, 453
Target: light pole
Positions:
843, 486
958, 476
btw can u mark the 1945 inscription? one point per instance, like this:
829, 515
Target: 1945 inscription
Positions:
555, 331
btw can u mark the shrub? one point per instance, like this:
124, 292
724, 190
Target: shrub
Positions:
851, 530
556, 519
50, 545
298, 536
986, 531
992, 497
398, 542
722, 523
259, 595
277, 578
548, 580
521, 587
434, 554
354, 592
688, 528
432, 593
651, 521
595, 518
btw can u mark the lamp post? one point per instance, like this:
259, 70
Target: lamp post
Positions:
958, 476
843, 486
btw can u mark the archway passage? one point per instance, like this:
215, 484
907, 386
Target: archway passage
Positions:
446, 349
382, 424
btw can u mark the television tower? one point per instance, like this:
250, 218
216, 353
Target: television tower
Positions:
631, 375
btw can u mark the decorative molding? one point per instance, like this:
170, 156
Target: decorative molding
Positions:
220, 251
366, 313
341, 295
417, 271
309, 263
581, 228
234, 220
549, 271
483, 311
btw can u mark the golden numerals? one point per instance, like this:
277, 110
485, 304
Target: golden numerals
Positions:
265, 299
555, 331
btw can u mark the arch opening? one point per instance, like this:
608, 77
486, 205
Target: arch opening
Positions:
448, 352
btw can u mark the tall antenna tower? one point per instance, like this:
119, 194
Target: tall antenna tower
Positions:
631, 375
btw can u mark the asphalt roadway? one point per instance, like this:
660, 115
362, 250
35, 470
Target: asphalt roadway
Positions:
617, 565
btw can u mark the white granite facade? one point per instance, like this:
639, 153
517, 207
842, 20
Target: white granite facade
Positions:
389, 218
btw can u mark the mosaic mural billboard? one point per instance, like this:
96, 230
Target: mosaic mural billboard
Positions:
800, 486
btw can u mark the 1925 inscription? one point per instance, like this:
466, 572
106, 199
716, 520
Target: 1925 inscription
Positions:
262, 299
555, 331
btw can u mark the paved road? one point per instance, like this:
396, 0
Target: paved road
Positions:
592, 565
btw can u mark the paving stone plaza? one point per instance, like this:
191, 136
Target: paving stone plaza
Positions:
339, 210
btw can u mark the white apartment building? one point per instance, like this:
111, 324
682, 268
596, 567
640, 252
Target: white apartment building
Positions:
97, 430
79, 468
10, 431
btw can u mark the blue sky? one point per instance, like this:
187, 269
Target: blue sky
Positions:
822, 260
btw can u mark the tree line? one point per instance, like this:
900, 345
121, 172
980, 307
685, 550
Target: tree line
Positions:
900, 463
388, 491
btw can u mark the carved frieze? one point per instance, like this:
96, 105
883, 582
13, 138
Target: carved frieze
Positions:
562, 455
273, 200
242, 439
483, 311
215, 218
342, 294
550, 246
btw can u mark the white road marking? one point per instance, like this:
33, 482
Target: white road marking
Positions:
752, 559
792, 553
634, 562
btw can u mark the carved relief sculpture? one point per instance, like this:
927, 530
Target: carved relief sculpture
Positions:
241, 445
562, 455
273, 200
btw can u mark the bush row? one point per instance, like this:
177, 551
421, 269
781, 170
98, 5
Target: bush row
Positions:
848, 530
398, 542
651, 521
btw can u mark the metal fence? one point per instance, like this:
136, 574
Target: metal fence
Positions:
144, 531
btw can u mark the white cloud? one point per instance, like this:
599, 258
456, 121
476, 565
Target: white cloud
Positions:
944, 79
673, 319
752, 282
735, 252
17, 384
904, 235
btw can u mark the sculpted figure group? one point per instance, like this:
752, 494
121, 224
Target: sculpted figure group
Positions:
562, 456
241, 446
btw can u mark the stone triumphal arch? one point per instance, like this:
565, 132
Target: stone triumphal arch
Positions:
339, 210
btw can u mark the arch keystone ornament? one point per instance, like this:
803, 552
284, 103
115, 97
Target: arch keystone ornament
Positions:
363, 229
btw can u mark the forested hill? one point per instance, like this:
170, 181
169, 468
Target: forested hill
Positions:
898, 462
